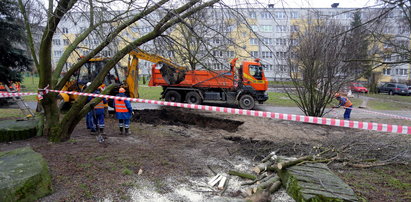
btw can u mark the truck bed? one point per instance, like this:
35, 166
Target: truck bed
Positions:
197, 78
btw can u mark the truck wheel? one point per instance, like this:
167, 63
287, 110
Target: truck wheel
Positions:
193, 98
172, 96
247, 102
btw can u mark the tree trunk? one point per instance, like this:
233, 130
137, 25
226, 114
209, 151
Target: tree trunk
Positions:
52, 127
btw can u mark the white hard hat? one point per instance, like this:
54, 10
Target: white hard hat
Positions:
88, 84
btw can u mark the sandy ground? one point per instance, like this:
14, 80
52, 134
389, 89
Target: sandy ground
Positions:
172, 153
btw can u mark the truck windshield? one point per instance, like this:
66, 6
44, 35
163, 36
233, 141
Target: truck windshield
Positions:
256, 71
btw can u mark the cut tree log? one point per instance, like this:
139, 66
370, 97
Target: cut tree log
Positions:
267, 183
222, 183
289, 163
243, 175
215, 180
274, 187
268, 157
262, 167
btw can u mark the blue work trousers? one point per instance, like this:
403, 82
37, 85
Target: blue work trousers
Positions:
347, 113
124, 123
90, 122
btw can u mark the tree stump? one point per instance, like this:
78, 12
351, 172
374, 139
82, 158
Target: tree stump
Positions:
315, 182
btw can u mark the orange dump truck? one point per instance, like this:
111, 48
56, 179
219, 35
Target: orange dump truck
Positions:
243, 86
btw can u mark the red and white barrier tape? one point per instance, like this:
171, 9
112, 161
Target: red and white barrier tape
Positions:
16, 94
291, 117
390, 115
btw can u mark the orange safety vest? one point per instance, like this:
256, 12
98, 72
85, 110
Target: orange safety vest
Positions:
100, 105
120, 106
348, 103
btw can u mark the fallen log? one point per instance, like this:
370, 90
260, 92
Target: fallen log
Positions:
268, 157
243, 175
289, 163
274, 187
267, 183
262, 167
256, 180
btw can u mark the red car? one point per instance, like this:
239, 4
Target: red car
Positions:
358, 87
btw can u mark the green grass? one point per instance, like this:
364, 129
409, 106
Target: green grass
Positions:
399, 98
151, 93
126, 171
279, 99
11, 113
30, 84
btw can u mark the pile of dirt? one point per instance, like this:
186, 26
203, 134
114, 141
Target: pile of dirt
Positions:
183, 117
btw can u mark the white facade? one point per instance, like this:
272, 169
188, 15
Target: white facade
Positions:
272, 26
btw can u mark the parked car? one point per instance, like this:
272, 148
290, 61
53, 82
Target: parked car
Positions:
393, 88
409, 90
358, 87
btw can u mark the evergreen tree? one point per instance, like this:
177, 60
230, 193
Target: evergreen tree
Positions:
359, 46
13, 57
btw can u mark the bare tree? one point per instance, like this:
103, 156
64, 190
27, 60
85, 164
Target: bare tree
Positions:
316, 65
58, 127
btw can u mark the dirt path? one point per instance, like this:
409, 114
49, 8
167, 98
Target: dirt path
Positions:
177, 149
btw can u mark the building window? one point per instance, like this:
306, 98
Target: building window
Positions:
64, 30
254, 54
218, 53
281, 28
280, 55
106, 53
268, 67
282, 68
57, 53
66, 42
280, 41
254, 28
266, 15
253, 41
294, 42
230, 54
294, 28
266, 28
252, 15
280, 15
387, 71
294, 15
266, 54
268, 41
387, 58
56, 42
403, 72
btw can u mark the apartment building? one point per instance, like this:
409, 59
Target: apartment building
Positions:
265, 34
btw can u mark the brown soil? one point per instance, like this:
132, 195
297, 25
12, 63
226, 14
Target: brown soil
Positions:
178, 149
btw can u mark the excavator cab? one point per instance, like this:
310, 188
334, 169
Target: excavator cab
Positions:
87, 73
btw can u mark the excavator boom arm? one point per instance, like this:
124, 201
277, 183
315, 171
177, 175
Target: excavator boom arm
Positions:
155, 59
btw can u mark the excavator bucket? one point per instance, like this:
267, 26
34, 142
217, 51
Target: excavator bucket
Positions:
171, 75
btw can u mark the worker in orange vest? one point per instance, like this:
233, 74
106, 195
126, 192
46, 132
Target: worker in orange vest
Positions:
99, 112
123, 112
96, 115
346, 103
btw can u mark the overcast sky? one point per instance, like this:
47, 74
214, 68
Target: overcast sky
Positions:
308, 3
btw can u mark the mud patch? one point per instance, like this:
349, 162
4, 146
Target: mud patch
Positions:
172, 116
